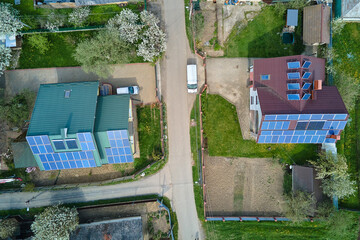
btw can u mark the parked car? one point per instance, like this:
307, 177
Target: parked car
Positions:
132, 90
191, 78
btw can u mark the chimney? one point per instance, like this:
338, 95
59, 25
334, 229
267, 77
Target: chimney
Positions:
317, 84
337, 137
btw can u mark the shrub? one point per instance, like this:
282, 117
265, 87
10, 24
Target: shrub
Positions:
39, 42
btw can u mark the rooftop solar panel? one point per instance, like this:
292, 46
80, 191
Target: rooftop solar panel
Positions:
306, 86
306, 75
306, 96
306, 64
301, 125
293, 97
120, 150
293, 75
293, 86
316, 125
293, 65
340, 116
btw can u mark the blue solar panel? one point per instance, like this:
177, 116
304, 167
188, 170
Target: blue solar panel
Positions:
120, 150
278, 125
334, 125
261, 139
294, 139
316, 117
39, 144
293, 75
71, 144
306, 75
306, 64
281, 139
327, 125
306, 86
274, 139
304, 116
299, 132
293, 86
328, 117
270, 117
301, 139
321, 139
340, 116
293, 97
342, 125
293, 117
281, 117
271, 125
268, 139
293, 65
306, 96
286, 125
86, 141
330, 140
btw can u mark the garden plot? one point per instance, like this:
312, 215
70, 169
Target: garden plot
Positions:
243, 187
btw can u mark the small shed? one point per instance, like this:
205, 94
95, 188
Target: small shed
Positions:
292, 17
316, 24
303, 179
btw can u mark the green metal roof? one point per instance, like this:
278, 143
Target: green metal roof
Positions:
53, 111
112, 113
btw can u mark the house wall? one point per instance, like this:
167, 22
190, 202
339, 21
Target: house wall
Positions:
255, 104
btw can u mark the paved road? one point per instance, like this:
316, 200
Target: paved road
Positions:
175, 180
156, 184
176, 97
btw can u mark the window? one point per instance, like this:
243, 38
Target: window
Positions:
306, 64
67, 93
292, 65
301, 125
71, 144
59, 144
265, 77
306, 86
293, 86
316, 125
256, 100
293, 97
306, 75
251, 100
293, 75
306, 96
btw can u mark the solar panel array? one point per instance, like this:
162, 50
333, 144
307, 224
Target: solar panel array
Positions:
273, 117
293, 97
86, 141
120, 150
293, 65
310, 128
293, 86
41, 146
293, 75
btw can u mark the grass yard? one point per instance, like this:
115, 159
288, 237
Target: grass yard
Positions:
347, 50
223, 133
261, 37
149, 135
349, 146
34, 16
188, 25
60, 54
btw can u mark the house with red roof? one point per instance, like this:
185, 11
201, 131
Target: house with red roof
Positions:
291, 104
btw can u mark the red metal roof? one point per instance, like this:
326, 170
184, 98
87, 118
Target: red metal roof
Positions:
273, 93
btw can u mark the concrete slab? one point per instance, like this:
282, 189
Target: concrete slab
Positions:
229, 77
141, 74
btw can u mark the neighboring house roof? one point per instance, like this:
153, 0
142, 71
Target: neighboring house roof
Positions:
303, 179
97, 2
292, 17
316, 24
273, 93
112, 112
123, 228
350, 10
53, 111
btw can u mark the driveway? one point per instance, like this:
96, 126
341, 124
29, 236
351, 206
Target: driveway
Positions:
141, 74
229, 77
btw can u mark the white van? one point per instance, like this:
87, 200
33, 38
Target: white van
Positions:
191, 78
133, 90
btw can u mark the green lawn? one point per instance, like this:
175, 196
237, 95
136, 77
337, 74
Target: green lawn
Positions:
223, 133
149, 135
261, 37
188, 25
99, 14
60, 54
347, 61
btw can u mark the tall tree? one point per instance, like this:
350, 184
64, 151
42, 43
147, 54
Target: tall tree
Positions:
340, 187
10, 23
55, 222
5, 58
300, 205
96, 54
79, 16
8, 227
330, 165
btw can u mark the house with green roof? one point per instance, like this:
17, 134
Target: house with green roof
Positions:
73, 127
